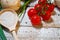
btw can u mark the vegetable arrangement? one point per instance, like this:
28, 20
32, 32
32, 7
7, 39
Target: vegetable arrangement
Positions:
41, 11
5, 7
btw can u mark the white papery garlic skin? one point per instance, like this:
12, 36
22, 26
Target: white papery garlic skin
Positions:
13, 4
57, 2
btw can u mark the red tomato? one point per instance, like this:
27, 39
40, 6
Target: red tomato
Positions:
46, 16
38, 7
32, 12
46, 7
51, 8
36, 20
42, 1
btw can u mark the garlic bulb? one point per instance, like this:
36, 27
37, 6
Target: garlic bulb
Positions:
57, 2
12, 4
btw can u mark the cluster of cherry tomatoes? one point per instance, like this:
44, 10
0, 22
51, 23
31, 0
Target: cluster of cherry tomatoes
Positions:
41, 11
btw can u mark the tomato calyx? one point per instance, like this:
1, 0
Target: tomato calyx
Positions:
38, 7
42, 1
47, 15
